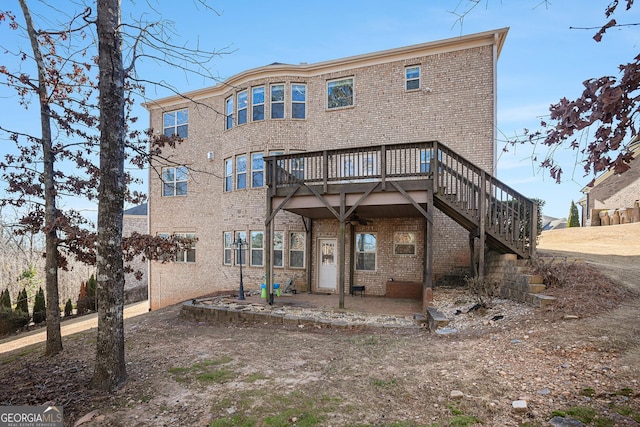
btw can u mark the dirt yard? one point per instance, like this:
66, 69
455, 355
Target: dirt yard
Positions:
580, 359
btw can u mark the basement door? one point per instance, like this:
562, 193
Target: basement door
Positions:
327, 273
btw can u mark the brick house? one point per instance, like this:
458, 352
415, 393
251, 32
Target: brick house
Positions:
329, 165
614, 199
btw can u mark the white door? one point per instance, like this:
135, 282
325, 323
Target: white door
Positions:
328, 257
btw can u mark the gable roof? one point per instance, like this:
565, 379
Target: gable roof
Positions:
136, 210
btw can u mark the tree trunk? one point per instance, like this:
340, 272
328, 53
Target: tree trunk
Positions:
54, 338
110, 369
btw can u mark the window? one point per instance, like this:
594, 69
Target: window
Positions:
278, 249
242, 107
257, 170
412, 77
298, 100
241, 172
176, 123
425, 160
174, 181
296, 250
228, 250
241, 257
257, 248
228, 175
229, 112
163, 257
340, 93
297, 167
277, 101
365, 251
188, 252
359, 165
257, 99
404, 243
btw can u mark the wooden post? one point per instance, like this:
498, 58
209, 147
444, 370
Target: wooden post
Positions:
482, 216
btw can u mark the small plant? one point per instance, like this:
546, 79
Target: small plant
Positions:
582, 413
39, 308
483, 289
588, 392
256, 377
625, 391
384, 383
68, 308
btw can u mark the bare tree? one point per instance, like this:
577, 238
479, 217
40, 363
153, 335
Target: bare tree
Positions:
602, 121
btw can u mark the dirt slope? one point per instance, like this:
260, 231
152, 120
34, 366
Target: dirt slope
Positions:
184, 373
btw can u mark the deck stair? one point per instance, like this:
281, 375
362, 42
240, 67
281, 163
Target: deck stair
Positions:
503, 219
517, 282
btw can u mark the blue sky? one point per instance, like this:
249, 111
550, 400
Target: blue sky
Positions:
542, 60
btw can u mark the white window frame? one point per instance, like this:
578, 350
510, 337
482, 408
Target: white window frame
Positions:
404, 243
365, 251
255, 105
228, 109
295, 101
254, 249
242, 106
293, 249
278, 247
182, 255
175, 123
335, 104
227, 253
255, 171
180, 179
411, 79
277, 101
241, 172
228, 175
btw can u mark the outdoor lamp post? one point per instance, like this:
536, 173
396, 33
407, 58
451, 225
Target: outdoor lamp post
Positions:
239, 246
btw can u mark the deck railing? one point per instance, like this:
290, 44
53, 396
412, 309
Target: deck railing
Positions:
508, 216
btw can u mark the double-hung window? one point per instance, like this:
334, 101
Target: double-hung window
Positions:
340, 93
257, 248
242, 107
296, 249
241, 257
298, 101
229, 112
228, 175
228, 249
187, 253
365, 251
278, 249
174, 181
257, 170
257, 103
412, 77
277, 101
176, 123
241, 172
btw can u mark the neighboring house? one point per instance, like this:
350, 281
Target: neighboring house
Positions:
326, 171
614, 198
551, 223
136, 219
